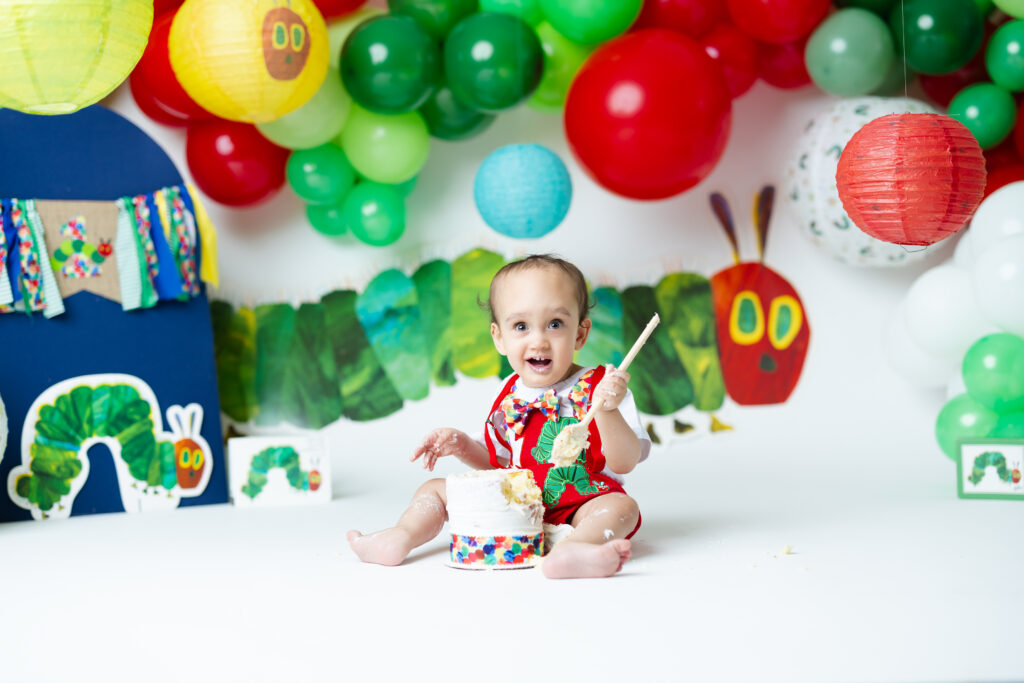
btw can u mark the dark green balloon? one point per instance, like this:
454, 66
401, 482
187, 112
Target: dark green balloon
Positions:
993, 371
879, 7
493, 61
437, 16
1004, 56
375, 213
320, 175
962, 418
448, 118
987, 110
938, 36
390, 64
327, 219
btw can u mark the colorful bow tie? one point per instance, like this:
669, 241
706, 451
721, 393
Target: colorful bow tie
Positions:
517, 410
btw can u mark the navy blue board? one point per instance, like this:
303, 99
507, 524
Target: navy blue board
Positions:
95, 154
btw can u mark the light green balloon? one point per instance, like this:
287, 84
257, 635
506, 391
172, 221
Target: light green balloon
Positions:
850, 53
338, 31
962, 418
1015, 8
562, 60
315, 123
527, 10
375, 213
386, 149
591, 21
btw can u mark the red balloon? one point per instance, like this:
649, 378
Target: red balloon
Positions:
332, 9
783, 65
736, 53
232, 163
154, 85
648, 115
161, 6
695, 18
1018, 134
778, 21
1003, 176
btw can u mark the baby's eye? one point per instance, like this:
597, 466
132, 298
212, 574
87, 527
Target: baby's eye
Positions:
519, 327
555, 324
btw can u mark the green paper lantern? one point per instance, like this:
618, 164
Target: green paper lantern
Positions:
57, 56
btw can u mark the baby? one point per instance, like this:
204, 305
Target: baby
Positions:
539, 308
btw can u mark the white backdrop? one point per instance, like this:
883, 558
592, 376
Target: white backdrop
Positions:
892, 577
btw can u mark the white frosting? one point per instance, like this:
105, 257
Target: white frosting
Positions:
568, 444
494, 503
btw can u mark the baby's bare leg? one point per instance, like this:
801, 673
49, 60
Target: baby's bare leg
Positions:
420, 522
598, 545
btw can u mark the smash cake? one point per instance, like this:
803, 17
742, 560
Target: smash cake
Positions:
496, 519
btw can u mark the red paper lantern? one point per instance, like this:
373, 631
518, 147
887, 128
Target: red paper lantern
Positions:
911, 178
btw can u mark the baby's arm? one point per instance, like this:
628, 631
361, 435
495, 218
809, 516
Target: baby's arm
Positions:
619, 444
447, 441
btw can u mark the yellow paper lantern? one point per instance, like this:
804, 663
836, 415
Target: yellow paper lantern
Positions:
249, 60
57, 56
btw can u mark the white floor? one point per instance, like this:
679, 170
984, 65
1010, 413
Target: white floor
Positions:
891, 577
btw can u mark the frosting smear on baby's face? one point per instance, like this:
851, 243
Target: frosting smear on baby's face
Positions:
538, 326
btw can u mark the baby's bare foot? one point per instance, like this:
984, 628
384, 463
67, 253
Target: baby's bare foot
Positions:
571, 560
388, 547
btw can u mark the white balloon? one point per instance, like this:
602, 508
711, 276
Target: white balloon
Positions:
942, 312
956, 385
914, 364
1001, 215
998, 279
963, 255
810, 183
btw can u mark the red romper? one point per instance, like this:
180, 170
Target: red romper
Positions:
565, 489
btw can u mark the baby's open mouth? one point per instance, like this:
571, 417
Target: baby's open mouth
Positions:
539, 363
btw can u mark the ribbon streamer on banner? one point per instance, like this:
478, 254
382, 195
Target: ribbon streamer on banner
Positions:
164, 246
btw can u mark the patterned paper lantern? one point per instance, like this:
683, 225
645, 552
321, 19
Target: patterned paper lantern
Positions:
57, 56
911, 179
249, 60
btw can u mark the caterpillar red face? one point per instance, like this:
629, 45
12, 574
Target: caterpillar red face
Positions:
762, 333
1016, 476
315, 479
189, 462
285, 43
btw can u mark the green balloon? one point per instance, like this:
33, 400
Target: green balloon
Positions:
987, 110
385, 149
375, 213
390, 64
438, 17
493, 61
850, 53
1008, 427
591, 21
527, 10
1004, 56
879, 7
327, 219
896, 81
993, 372
985, 7
405, 189
562, 60
315, 123
938, 36
448, 118
962, 418
339, 30
1015, 8
321, 175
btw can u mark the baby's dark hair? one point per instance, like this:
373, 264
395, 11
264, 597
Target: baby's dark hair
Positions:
543, 261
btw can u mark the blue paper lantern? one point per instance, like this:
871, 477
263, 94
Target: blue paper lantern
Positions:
522, 191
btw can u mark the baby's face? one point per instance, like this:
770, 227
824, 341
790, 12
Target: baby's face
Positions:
538, 326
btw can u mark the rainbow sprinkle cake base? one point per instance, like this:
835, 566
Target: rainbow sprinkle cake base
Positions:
496, 552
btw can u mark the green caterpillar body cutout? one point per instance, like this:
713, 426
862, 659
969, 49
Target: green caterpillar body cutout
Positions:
284, 457
984, 461
362, 355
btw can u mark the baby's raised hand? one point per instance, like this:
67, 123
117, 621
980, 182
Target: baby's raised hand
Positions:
439, 443
612, 388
